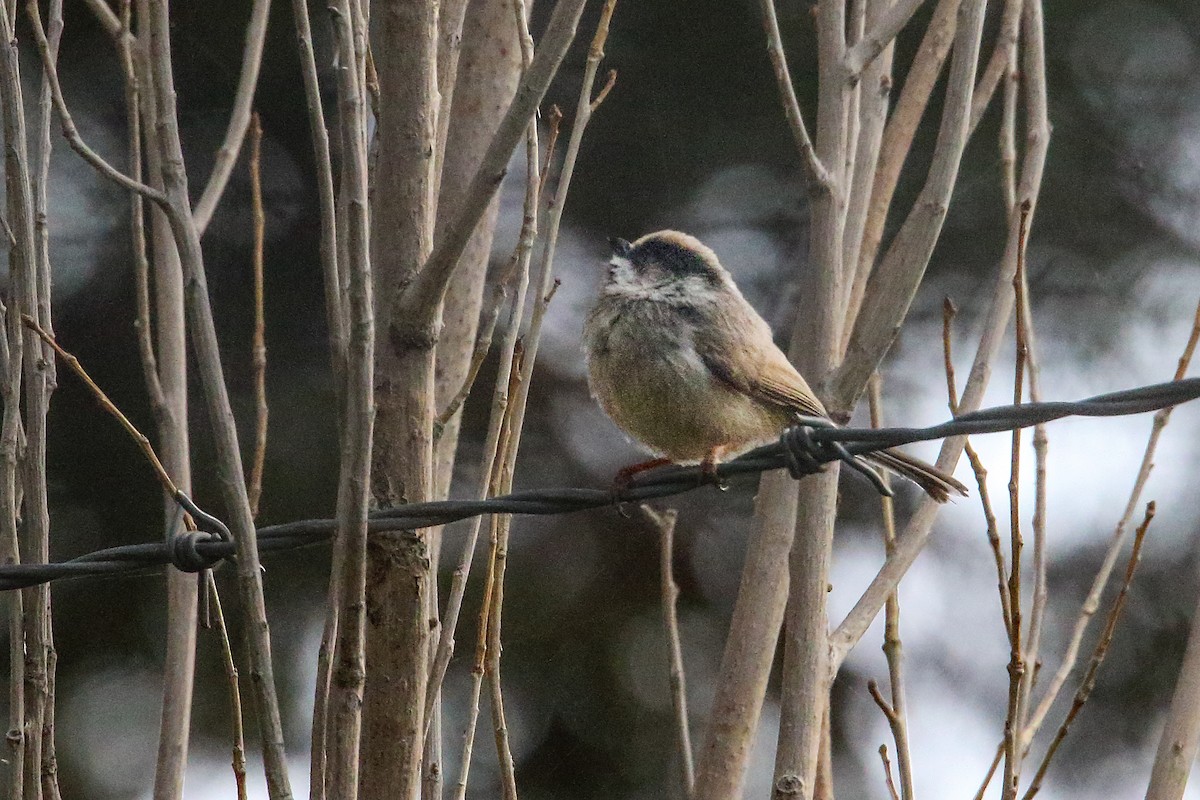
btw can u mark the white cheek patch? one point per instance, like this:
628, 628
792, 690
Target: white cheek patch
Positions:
622, 273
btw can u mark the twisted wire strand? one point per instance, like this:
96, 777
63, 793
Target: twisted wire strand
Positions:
192, 551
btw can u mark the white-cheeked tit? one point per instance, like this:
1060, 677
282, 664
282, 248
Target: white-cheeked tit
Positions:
681, 362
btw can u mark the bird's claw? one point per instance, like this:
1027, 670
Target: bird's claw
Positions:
710, 476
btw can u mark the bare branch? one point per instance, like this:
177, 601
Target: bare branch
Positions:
1040, 447
524, 356
1016, 663
916, 534
873, 94
209, 367
479, 67
815, 348
26, 282
897, 141
665, 523
817, 172
11, 436
1091, 603
106, 17
1089, 679
985, 499
893, 283
335, 311
344, 712
260, 342
239, 120
500, 531
68, 123
164, 368
879, 36
417, 303
892, 648
235, 695
137, 222
500, 398
998, 62
887, 772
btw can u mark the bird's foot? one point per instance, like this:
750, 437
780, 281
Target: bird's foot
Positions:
708, 470
624, 479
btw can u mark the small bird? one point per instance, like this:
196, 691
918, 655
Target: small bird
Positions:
683, 364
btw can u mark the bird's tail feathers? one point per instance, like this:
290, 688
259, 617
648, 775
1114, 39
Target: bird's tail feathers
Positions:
932, 480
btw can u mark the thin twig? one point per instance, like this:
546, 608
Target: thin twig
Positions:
873, 100
508, 776
917, 531
239, 119
163, 350
50, 788
523, 360
522, 253
1089, 679
343, 716
1092, 601
887, 772
1041, 444
817, 171
238, 761
137, 218
24, 740
895, 146
209, 367
894, 282
484, 639
892, 648
258, 461
335, 310
987, 778
985, 499
339, 336
1008, 119
665, 524
1016, 663
998, 63
41, 654
68, 123
879, 36
418, 302
894, 722
106, 404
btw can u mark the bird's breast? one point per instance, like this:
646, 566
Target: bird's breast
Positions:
646, 373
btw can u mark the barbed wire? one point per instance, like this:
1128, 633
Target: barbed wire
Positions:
801, 454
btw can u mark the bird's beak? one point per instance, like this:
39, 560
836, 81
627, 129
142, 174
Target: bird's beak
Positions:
620, 247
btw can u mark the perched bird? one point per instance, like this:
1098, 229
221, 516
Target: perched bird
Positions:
683, 364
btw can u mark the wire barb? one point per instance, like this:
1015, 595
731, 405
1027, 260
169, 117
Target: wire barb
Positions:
791, 452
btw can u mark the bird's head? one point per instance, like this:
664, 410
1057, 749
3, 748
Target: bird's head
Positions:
666, 262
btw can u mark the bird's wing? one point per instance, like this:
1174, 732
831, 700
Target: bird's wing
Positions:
739, 352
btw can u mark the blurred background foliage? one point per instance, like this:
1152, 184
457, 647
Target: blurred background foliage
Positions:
692, 137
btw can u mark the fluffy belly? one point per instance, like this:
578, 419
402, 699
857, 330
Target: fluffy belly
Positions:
666, 398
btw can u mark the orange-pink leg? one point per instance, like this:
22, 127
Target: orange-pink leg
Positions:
708, 467
625, 474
